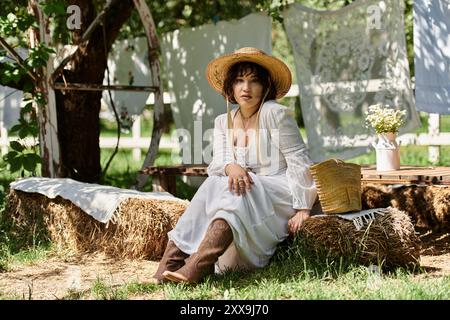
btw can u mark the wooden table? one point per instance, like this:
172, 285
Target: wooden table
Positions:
164, 177
407, 175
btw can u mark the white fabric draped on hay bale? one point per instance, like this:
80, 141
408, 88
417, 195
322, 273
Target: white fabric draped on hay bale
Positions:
139, 230
99, 201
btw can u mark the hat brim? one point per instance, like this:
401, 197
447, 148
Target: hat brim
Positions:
278, 70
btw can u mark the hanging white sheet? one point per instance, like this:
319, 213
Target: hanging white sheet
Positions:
186, 53
432, 55
128, 65
11, 99
347, 60
10, 104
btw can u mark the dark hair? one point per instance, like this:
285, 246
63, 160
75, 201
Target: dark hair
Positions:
244, 68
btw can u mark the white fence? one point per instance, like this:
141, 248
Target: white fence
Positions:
433, 139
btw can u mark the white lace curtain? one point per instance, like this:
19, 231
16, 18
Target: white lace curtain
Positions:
347, 60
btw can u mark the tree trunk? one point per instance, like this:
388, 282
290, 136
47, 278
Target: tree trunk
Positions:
78, 111
79, 132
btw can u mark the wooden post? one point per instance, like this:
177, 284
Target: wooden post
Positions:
433, 131
136, 133
158, 109
3, 139
48, 127
164, 183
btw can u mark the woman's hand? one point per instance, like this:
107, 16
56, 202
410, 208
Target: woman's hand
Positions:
297, 220
239, 179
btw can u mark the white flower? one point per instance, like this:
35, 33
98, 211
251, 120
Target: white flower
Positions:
385, 119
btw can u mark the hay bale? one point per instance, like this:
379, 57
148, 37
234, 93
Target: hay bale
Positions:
428, 206
390, 239
139, 232
375, 196
441, 205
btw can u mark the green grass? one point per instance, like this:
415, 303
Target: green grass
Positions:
295, 272
356, 284
409, 155
9, 258
444, 123
109, 128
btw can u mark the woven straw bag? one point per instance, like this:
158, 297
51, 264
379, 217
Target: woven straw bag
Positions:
338, 185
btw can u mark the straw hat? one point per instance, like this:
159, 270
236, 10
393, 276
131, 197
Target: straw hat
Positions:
279, 71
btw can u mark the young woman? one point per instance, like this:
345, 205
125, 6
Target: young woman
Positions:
252, 198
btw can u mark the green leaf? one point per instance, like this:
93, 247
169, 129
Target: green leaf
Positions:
17, 146
15, 128
28, 107
9, 157
15, 165
30, 161
33, 130
28, 86
36, 158
23, 133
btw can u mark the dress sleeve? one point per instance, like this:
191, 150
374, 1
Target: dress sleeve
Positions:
298, 161
222, 154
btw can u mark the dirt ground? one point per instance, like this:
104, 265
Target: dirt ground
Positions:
435, 253
53, 277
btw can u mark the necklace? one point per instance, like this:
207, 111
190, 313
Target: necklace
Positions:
245, 124
247, 119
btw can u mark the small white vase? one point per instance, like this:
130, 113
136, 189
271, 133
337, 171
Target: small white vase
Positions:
388, 152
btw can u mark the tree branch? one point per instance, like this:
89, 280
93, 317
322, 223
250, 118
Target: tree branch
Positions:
115, 18
89, 62
16, 57
85, 37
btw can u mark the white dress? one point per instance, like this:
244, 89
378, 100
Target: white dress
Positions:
259, 218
